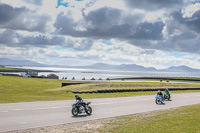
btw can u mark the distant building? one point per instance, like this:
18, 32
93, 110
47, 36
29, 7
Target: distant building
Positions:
32, 73
42, 76
52, 76
24, 74
29, 73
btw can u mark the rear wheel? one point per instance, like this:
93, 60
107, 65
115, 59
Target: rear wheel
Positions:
169, 97
75, 111
89, 110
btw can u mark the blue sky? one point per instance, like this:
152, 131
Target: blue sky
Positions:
63, 3
107, 42
155, 33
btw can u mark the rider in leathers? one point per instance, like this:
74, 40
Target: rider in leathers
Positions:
167, 91
80, 101
160, 94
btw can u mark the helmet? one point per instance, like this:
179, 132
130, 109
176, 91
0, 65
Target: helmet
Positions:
77, 96
159, 91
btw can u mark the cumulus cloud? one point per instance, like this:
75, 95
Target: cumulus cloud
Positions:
138, 30
192, 22
109, 23
34, 2
15, 39
155, 4
7, 37
22, 19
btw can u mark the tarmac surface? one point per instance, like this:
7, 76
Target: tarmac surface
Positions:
17, 116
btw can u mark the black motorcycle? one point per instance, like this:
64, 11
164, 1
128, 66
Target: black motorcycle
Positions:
79, 108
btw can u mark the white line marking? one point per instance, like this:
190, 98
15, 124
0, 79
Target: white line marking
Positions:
145, 99
17, 109
4, 112
122, 101
40, 108
23, 122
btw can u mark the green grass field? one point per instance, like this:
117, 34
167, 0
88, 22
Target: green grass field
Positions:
7, 68
180, 120
20, 89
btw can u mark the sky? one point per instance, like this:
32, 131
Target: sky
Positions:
151, 33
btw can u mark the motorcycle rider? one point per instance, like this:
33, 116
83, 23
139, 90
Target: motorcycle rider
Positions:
78, 98
80, 101
160, 94
167, 91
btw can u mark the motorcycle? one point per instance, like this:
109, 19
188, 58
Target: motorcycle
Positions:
159, 99
166, 96
81, 108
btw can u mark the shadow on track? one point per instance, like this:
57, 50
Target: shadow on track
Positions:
81, 116
161, 104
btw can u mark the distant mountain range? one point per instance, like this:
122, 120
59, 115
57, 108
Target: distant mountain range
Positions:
130, 67
133, 67
9, 62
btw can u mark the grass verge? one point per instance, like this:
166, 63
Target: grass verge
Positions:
184, 119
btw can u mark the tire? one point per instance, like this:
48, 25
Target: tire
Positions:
89, 110
156, 101
169, 97
75, 111
165, 97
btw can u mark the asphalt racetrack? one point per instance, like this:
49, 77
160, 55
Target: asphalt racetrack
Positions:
17, 116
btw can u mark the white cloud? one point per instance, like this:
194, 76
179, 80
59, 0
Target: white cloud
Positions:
139, 33
188, 11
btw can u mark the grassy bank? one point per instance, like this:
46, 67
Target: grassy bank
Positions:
21, 89
126, 85
184, 119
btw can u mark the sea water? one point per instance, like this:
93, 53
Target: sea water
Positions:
88, 74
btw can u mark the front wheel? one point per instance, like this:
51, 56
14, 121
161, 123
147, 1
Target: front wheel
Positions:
89, 110
156, 101
75, 111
